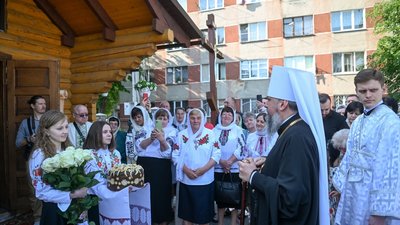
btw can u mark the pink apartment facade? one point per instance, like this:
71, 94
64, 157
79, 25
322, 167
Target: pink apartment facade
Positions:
331, 38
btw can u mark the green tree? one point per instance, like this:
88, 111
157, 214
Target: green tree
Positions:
386, 15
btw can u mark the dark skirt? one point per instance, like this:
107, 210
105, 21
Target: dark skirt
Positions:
158, 173
50, 215
196, 203
236, 179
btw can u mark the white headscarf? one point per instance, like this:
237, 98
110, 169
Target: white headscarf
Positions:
169, 128
190, 142
180, 125
299, 86
230, 126
147, 123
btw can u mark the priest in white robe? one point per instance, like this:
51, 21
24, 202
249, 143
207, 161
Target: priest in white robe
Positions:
369, 175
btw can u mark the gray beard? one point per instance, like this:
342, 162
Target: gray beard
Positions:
274, 122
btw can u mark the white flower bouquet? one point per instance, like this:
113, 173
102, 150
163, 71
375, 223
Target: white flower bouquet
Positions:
144, 84
65, 171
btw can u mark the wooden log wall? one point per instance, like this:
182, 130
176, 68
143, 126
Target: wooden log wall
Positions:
87, 69
96, 63
31, 35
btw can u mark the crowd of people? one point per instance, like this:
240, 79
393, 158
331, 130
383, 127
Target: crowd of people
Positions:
302, 161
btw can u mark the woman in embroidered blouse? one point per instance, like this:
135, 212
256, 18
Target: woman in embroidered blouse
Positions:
51, 139
154, 155
260, 142
141, 122
100, 139
231, 142
195, 154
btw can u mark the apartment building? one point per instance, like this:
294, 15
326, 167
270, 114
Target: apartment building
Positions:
330, 38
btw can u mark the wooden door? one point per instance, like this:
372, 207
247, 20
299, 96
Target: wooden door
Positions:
25, 79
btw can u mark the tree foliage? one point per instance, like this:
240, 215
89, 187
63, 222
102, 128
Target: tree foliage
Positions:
107, 104
387, 55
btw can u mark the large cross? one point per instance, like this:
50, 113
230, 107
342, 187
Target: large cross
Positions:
212, 94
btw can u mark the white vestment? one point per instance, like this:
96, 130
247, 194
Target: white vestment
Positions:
369, 174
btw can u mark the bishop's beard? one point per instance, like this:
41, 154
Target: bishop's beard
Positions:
274, 122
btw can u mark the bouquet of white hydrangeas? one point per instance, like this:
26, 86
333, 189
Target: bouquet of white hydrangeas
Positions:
65, 171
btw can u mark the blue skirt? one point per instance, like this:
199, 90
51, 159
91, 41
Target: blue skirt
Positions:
196, 203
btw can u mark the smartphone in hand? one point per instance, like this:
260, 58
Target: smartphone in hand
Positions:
159, 125
145, 97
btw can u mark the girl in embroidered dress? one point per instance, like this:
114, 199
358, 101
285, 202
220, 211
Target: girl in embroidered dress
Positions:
261, 142
195, 155
231, 142
154, 155
100, 139
51, 139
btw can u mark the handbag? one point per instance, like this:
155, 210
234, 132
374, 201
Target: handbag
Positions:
227, 192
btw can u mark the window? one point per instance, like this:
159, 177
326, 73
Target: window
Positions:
298, 26
347, 20
210, 4
205, 73
301, 62
248, 105
253, 69
253, 32
220, 104
206, 108
348, 62
176, 104
177, 75
220, 71
219, 35
339, 100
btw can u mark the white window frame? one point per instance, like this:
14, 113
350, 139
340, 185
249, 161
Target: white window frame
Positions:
339, 100
219, 68
253, 63
343, 64
300, 62
220, 34
341, 20
251, 102
255, 28
206, 107
204, 73
174, 104
174, 75
293, 23
218, 4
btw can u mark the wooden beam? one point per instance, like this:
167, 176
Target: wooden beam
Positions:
91, 88
105, 19
164, 21
68, 38
120, 52
78, 56
101, 76
128, 63
124, 40
84, 99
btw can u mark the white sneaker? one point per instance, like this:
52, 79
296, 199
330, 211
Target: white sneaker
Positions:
37, 223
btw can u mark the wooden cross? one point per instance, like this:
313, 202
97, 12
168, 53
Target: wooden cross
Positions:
212, 51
